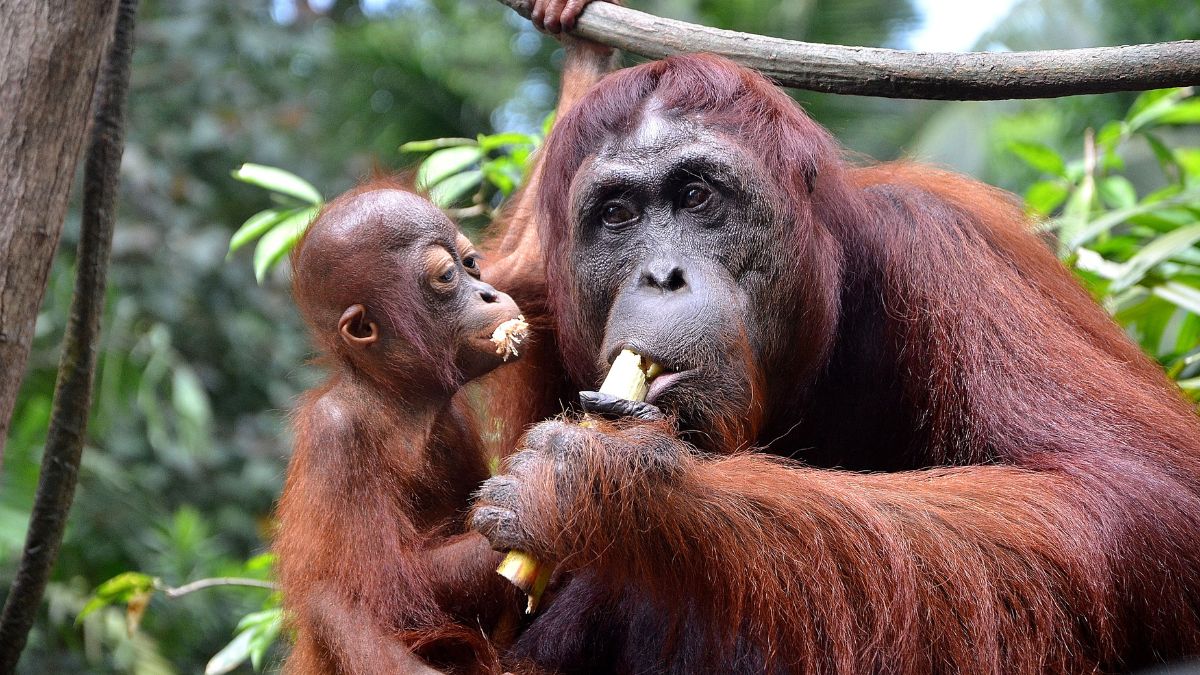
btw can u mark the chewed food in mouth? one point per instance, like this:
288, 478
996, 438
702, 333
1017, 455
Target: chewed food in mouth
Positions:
509, 335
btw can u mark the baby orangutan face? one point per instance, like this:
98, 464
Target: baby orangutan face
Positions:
404, 283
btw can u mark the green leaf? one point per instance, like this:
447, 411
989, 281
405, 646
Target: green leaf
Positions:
454, 188
118, 589
264, 628
256, 225
260, 563
1152, 105
278, 180
504, 173
1181, 295
275, 244
1110, 220
497, 141
1166, 158
1117, 192
548, 124
1110, 134
1147, 99
1044, 196
231, 655
446, 163
435, 144
1158, 250
1040, 157
1186, 112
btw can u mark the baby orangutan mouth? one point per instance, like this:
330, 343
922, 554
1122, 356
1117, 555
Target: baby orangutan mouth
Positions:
509, 335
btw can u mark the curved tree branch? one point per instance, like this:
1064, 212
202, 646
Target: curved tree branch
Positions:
894, 73
76, 370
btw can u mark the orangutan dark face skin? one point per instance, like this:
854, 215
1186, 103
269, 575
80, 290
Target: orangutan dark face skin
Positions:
674, 244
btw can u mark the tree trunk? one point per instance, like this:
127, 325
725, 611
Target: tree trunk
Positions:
49, 59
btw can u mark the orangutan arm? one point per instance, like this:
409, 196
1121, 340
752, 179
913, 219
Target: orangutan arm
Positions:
974, 569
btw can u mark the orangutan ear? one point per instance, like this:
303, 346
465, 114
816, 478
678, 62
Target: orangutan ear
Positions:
356, 329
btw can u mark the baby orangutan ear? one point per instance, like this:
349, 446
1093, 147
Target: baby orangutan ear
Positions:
356, 329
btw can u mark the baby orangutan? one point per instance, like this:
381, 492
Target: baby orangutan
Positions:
379, 572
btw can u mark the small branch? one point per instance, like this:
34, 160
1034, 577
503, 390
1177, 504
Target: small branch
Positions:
201, 584
894, 73
76, 370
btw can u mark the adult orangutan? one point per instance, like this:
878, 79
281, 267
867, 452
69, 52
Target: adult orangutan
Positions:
903, 439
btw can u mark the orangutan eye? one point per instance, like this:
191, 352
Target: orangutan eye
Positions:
617, 214
694, 195
471, 262
448, 275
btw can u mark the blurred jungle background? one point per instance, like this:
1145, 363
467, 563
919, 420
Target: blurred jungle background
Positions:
201, 361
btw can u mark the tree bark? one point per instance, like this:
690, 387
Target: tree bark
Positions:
894, 73
76, 371
49, 58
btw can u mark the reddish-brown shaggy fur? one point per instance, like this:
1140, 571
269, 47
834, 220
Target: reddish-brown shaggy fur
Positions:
1031, 494
379, 573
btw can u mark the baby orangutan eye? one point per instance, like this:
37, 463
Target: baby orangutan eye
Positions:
471, 263
448, 275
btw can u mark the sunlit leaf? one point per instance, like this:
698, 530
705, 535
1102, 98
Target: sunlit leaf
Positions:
1110, 134
1111, 219
1156, 251
435, 144
261, 562
1117, 192
231, 656
118, 589
278, 180
1040, 157
1152, 105
497, 141
504, 173
1044, 196
1186, 112
275, 244
1148, 98
1181, 295
1091, 261
444, 164
454, 188
256, 225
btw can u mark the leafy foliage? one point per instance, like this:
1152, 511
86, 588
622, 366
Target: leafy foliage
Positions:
1136, 254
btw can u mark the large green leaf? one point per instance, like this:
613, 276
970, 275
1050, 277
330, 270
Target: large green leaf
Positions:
275, 244
1044, 196
1158, 250
120, 588
1111, 219
1186, 112
278, 180
232, 655
446, 163
1181, 295
497, 141
257, 225
446, 193
435, 144
1117, 192
1040, 157
1152, 105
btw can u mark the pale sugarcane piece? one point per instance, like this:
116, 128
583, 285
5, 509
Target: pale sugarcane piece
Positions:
628, 378
509, 335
